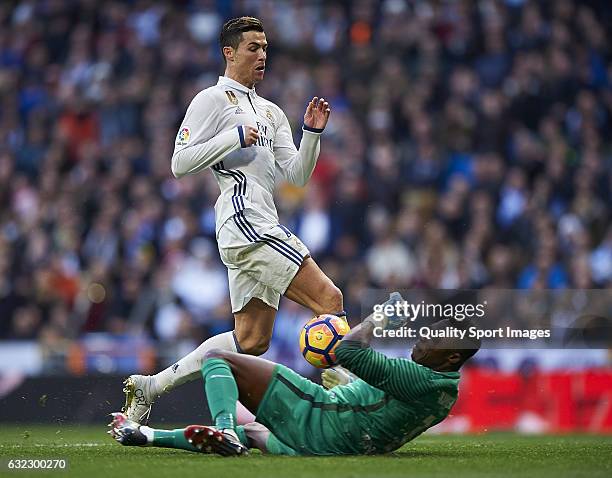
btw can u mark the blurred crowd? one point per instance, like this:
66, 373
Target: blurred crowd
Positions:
469, 147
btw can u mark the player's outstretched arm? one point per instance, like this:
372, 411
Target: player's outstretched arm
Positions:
297, 165
400, 378
363, 332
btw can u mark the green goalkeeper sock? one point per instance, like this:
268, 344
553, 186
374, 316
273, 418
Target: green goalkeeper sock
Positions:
172, 439
242, 435
221, 392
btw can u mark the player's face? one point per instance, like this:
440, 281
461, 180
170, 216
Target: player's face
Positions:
420, 351
250, 57
430, 353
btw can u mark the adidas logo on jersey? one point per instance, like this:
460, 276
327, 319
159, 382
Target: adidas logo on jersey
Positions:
239, 111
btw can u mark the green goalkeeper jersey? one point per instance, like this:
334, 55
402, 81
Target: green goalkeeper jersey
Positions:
399, 398
394, 401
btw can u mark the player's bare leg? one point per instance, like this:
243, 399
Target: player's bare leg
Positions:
142, 390
314, 290
253, 327
228, 376
251, 335
310, 288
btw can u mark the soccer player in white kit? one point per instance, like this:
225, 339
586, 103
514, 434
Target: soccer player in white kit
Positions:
246, 140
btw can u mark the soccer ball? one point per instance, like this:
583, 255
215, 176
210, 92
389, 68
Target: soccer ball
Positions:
319, 338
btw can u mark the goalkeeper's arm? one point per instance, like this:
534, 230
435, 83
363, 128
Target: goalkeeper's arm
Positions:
401, 378
363, 332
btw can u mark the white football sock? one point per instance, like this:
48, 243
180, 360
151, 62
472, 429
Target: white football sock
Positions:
148, 433
188, 368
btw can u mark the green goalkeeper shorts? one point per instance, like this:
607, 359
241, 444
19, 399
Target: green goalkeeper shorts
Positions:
306, 417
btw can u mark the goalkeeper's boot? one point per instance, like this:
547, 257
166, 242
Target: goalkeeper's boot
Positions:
126, 431
209, 439
139, 397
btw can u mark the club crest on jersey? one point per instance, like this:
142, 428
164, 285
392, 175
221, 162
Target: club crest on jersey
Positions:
231, 96
269, 116
183, 137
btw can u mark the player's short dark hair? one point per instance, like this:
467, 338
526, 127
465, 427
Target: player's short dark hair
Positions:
467, 354
231, 33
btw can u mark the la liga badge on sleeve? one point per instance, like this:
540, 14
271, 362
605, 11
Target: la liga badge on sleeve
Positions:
183, 137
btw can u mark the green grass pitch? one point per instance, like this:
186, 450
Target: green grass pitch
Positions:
91, 453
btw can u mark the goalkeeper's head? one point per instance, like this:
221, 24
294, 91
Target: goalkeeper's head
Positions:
446, 354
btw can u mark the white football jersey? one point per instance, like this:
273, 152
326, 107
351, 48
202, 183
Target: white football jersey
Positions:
212, 135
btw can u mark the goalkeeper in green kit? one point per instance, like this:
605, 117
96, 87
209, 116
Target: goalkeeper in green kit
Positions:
392, 401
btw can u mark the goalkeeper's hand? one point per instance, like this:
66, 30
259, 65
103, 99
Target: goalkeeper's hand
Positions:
332, 377
392, 321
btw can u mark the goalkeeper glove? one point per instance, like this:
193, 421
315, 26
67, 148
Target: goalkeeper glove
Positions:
332, 377
389, 321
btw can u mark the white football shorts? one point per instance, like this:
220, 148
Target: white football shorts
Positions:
262, 258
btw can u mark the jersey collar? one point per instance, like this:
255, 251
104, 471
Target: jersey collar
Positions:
224, 80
